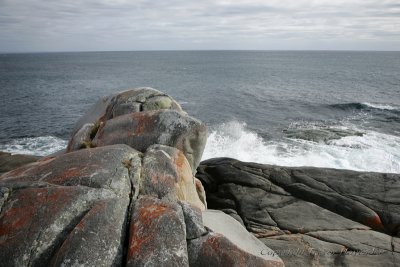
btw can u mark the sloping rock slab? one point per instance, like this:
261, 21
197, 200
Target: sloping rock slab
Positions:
344, 214
221, 223
10, 161
68, 210
215, 250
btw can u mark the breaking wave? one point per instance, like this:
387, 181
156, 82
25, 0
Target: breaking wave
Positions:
365, 106
39, 146
361, 151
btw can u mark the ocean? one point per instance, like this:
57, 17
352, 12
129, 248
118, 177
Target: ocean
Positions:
292, 108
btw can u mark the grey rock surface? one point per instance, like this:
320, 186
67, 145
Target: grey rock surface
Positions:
10, 161
310, 216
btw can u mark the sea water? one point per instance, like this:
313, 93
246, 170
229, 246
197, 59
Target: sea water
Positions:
291, 108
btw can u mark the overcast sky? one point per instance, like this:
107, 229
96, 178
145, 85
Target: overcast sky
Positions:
99, 25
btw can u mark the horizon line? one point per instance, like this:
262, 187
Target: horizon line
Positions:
197, 50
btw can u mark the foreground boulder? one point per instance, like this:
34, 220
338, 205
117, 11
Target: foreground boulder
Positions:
310, 216
63, 210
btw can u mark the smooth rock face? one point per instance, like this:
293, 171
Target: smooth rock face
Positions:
63, 210
10, 162
167, 175
224, 224
216, 250
157, 234
310, 216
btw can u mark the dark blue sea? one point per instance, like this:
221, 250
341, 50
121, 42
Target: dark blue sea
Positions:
326, 109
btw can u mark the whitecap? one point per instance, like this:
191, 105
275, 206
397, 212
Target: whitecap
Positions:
372, 151
39, 146
380, 106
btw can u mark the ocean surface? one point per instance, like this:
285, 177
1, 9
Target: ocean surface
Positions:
325, 109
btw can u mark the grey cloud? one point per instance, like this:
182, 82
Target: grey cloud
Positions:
34, 25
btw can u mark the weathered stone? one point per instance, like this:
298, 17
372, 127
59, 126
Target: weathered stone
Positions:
122, 103
140, 99
157, 234
221, 223
193, 220
216, 250
10, 162
160, 102
167, 175
103, 167
303, 217
95, 114
82, 138
68, 210
357, 196
310, 216
357, 240
200, 191
165, 127
301, 250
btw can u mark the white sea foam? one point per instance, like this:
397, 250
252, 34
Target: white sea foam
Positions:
371, 152
40, 146
381, 106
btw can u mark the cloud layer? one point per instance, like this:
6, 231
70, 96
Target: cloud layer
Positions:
45, 25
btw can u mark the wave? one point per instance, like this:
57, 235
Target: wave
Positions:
39, 146
366, 106
371, 151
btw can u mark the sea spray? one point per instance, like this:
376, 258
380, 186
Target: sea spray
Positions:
372, 151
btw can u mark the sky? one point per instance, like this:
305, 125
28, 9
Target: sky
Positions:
119, 25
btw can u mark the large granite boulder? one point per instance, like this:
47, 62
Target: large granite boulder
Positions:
310, 216
62, 211
140, 118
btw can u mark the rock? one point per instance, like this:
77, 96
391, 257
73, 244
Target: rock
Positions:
129, 101
140, 118
167, 175
157, 234
10, 161
301, 208
221, 223
104, 203
193, 220
82, 138
137, 100
216, 250
165, 127
67, 210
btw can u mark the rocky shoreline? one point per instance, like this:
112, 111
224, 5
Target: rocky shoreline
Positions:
122, 194
130, 191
